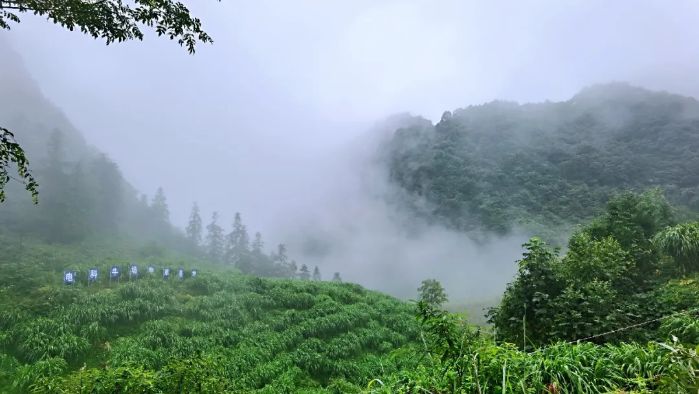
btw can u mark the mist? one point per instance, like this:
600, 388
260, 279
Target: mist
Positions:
278, 118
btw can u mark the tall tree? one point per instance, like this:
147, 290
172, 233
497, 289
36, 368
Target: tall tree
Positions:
194, 226
293, 269
214, 239
432, 293
161, 212
258, 245
111, 20
304, 273
107, 202
237, 242
336, 277
316, 273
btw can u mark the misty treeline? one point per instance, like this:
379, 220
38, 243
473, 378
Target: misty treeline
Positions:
85, 199
548, 166
237, 249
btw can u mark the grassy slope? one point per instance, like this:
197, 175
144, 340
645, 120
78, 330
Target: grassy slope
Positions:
218, 332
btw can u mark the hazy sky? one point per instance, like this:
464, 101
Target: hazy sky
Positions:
255, 122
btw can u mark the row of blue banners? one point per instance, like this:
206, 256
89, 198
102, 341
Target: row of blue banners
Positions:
70, 277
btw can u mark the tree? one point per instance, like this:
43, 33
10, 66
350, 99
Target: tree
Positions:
159, 207
681, 242
194, 229
336, 277
316, 273
111, 20
214, 239
107, 197
237, 241
280, 256
525, 308
304, 273
432, 293
257, 244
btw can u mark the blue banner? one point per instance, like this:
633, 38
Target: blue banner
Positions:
68, 277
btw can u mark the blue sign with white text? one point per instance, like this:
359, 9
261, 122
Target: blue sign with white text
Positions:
69, 277
114, 272
92, 274
166, 273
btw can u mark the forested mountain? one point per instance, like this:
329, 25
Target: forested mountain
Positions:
502, 165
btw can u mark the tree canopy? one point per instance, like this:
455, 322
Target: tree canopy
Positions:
549, 166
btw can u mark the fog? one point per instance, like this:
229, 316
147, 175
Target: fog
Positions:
278, 118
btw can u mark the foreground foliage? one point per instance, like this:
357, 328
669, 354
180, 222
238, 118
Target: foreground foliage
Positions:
623, 268
457, 359
218, 332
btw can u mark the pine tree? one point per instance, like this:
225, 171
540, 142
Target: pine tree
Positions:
316, 273
257, 244
304, 274
106, 194
237, 241
159, 207
293, 269
336, 277
214, 239
281, 256
194, 226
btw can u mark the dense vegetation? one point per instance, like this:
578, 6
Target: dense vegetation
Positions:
549, 165
612, 275
618, 312
216, 332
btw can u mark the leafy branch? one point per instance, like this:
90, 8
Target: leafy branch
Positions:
12, 154
113, 20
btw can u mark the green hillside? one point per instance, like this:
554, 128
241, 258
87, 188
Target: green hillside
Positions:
217, 332
547, 166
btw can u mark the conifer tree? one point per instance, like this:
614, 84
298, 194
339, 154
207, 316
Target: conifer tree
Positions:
257, 244
336, 277
214, 239
293, 269
237, 241
304, 274
194, 227
316, 273
159, 207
